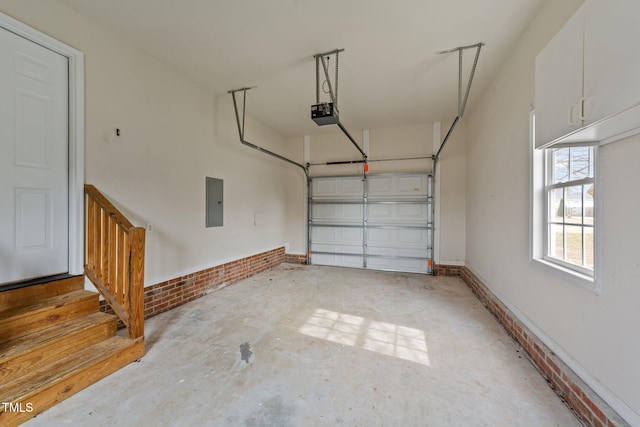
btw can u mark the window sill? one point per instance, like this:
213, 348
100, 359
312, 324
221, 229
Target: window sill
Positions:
579, 279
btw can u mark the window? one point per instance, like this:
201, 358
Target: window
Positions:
569, 194
564, 211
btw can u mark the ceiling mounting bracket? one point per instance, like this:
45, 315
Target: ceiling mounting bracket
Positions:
328, 113
462, 100
323, 58
240, 124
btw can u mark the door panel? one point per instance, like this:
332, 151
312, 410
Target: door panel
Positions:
396, 235
333, 188
397, 186
33, 160
31, 147
338, 213
33, 219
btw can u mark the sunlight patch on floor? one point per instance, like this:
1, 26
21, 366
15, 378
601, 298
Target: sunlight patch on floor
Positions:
380, 337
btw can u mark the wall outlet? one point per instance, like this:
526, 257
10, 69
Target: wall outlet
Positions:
149, 227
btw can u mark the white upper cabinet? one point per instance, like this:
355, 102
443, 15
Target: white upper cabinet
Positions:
558, 82
611, 58
587, 77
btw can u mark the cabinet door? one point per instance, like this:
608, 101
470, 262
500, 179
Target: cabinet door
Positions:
558, 80
612, 57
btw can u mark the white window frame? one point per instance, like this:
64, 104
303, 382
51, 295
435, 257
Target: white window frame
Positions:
538, 232
550, 186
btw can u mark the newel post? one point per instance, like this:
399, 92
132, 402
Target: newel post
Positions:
135, 328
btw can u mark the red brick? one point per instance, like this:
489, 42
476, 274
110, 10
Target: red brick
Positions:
538, 350
553, 366
598, 423
560, 385
578, 405
160, 306
544, 368
596, 411
179, 290
577, 391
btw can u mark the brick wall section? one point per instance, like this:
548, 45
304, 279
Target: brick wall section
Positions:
583, 401
180, 290
295, 259
447, 270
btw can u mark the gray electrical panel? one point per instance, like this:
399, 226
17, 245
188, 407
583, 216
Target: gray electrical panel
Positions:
214, 202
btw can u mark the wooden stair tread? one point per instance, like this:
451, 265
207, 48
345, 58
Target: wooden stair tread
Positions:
39, 380
26, 353
30, 294
30, 342
46, 303
20, 321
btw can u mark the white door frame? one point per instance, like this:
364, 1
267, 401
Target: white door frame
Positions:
76, 134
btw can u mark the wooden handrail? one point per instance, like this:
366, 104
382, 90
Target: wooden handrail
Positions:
93, 193
115, 260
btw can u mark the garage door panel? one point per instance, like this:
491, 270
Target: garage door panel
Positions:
417, 212
331, 187
379, 236
397, 214
339, 249
394, 186
407, 265
393, 213
325, 188
337, 260
398, 252
352, 187
381, 185
333, 235
335, 255
337, 213
407, 237
384, 237
412, 185
379, 212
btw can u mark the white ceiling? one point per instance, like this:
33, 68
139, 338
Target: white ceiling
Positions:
390, 74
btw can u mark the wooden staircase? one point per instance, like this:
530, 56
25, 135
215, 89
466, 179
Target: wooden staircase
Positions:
54, 342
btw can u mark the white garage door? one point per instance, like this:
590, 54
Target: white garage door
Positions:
382, 223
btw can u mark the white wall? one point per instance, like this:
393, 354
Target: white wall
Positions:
296, 196
451, 189
384, 143
173, 134
597, 335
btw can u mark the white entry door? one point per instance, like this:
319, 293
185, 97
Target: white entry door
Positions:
34, 157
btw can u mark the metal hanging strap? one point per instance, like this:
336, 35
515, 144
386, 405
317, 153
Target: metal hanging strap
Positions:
241, 128
322, 59
462, 100
462, 104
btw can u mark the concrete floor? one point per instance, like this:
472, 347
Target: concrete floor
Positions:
323, 346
